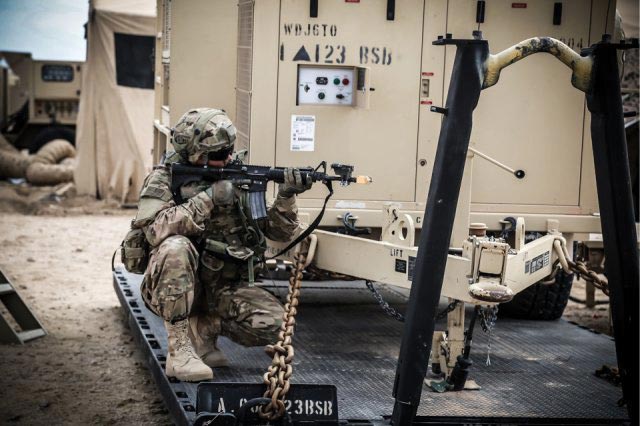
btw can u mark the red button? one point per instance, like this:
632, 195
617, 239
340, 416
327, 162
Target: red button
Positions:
345, 81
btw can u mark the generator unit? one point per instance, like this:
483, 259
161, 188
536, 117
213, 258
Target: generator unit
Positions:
356, 82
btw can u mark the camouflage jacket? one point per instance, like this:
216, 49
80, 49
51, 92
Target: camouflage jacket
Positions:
224, 229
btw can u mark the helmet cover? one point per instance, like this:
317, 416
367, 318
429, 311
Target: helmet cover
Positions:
201, 131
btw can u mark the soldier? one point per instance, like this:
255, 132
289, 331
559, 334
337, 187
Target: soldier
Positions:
205, 250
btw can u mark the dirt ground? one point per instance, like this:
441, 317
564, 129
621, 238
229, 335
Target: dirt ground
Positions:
56, 250
87, 370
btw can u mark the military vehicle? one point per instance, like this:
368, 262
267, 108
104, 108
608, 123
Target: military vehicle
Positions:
364, 83
39, 100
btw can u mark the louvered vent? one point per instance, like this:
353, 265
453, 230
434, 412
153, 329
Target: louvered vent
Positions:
166, 29
243, 77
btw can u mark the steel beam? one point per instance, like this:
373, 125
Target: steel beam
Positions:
464, 92
616, 211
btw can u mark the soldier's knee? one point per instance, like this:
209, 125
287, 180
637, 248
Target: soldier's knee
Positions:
258, 329
169, 285
178, 251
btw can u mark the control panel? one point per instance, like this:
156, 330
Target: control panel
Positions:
64, 111
326, 85
58, 73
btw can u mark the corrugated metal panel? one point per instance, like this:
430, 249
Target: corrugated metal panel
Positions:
166, 28
243, 119
245, 61
243, 76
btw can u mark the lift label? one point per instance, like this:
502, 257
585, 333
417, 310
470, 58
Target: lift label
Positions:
306, 403
537, 263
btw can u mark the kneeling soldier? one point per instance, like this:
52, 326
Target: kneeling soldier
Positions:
205, 250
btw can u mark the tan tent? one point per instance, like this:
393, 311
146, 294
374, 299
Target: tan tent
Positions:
114, 131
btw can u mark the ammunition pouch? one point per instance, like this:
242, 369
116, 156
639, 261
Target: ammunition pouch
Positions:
211, 268
220, 258
135, 251
224, 251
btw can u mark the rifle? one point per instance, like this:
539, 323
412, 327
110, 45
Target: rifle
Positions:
255, 178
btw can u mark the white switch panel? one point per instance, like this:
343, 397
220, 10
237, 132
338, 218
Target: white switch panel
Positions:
325, 85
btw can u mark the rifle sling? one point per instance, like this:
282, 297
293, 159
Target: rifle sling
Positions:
312, 227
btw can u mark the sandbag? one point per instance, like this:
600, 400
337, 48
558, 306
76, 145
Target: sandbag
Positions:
5, 145
13, 164
49, 174
69, 161
55, 151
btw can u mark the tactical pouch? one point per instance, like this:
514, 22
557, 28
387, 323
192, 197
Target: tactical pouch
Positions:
217, 247
227, 251
210, 267
234, 254
135, 251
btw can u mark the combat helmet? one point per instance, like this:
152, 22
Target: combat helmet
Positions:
203, 131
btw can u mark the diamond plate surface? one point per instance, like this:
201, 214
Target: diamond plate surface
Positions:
538, 369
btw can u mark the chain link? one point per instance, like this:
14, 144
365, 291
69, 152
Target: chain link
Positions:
450, 307
488, 317
579, 267
590, 276
278, 375
393, 313
388, 309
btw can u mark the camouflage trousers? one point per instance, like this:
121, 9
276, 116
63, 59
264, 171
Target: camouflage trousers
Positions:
180, 283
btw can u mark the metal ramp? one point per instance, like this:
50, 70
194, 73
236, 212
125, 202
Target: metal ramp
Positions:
540, 373
17, 313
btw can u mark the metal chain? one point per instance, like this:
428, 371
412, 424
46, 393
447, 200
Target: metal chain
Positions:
579, 267
393, 313
388, 309
278, 375
590, 276
450, 307
488, 317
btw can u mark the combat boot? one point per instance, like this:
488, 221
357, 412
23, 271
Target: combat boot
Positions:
182, 361
203, 332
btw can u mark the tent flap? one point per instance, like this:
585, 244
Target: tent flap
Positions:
114, 129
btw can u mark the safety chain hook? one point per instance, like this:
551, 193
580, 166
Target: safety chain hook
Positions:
579, 267
590, 276
278, 375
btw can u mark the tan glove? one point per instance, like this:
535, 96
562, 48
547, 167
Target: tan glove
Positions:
221, 192
293, 183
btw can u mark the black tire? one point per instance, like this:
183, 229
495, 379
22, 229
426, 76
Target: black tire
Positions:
540, 301
50, 133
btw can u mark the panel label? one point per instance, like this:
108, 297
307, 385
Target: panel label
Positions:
303, 132
305, 403
537, 263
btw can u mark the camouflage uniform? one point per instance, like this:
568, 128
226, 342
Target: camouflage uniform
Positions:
205, 250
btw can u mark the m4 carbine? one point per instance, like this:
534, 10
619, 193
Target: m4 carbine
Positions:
255, 178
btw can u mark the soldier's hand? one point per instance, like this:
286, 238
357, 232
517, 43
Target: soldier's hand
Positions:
221, 193
293, 183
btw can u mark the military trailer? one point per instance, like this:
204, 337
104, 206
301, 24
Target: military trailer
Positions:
40, 100
364, 83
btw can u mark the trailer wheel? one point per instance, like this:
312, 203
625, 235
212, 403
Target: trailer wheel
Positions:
540, 301
50, 133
